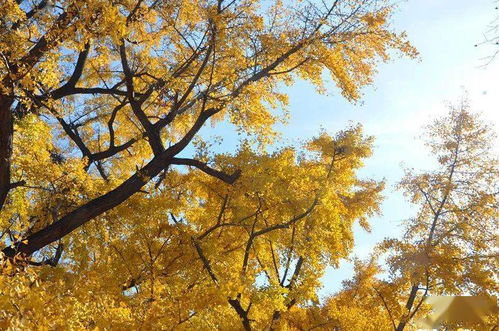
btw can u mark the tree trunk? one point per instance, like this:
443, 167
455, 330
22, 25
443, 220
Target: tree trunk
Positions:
410, 303
6, 133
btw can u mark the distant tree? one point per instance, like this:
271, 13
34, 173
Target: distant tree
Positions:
449, 248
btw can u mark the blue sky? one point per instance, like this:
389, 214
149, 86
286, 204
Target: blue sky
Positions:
406, 95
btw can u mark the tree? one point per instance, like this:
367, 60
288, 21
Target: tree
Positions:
97, 103
150, 73
449, 248
215, 256
361, 304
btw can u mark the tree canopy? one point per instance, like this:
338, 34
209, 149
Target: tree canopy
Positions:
448, 248
106, 223
116, 213
116, 92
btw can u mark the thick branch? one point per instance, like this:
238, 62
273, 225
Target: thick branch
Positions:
243, 314
204, 259
77, 72
229, 179
105, 202
409, 304
152, 134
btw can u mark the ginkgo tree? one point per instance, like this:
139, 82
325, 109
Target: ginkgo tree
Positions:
127, 86
104, 219
449, 248
197, 254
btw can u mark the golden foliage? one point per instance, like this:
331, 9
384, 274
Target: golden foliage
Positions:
448, 249
105, 226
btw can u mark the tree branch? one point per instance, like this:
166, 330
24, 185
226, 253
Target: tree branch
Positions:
111, 199
229, 179
152, 134
386, 307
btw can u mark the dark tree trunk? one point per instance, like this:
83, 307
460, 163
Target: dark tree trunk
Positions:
6, 133
410, 303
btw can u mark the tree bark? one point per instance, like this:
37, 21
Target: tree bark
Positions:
243, 314
6, 133
410, 303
